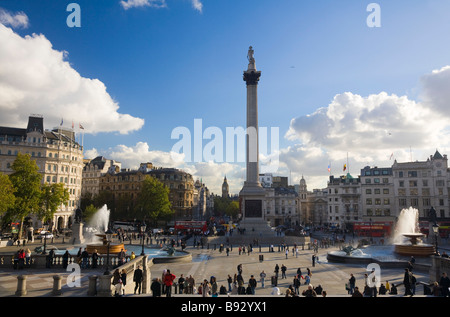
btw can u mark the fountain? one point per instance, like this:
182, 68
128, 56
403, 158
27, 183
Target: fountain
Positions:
93, 238
407, 238
96, 228
405, 242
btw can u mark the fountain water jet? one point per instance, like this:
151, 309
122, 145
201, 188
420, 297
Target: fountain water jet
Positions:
96, 229
407, 239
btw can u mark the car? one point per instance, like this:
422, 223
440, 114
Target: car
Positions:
45, 234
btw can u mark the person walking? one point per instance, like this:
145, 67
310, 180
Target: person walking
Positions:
123, 277
252, 283
137, 279
283, 271
296, 284
407, 282
230, 282
181, 281
168, 281
351, 284
262, 277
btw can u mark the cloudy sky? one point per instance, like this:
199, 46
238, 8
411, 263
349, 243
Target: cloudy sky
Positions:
134, 71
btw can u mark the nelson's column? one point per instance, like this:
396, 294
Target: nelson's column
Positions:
252, 194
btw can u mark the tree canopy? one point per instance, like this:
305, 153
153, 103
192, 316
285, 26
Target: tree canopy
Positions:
26, 181
153, 201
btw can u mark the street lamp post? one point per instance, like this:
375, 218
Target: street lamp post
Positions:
109, 235
45, 239
436, 232
143, 227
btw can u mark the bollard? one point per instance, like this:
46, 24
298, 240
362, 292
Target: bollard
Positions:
21, 285
92, 290
56, 285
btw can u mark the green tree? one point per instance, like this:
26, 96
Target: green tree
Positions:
26, 181
89, 212
232, 209
7, 197
52, 196
153, 201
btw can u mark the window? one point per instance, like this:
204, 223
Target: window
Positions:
368, 201
412, 173
368, 191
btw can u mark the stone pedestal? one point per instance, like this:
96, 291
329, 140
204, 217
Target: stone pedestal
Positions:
21, 285
92, 290
77, 233
56, 285
105, 286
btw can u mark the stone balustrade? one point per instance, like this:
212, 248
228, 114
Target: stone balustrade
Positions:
39, 261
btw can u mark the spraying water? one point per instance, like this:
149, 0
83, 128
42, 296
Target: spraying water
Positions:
98, 224
408, 222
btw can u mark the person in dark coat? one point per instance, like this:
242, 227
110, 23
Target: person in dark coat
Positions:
444, 283
65, 259
156, 288
407, 282
137, 279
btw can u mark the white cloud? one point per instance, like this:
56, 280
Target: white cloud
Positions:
17, 20
368, 130
35, 78
128, 4
198, 5
143, 3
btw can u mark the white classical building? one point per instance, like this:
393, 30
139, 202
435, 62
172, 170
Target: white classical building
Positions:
57, 154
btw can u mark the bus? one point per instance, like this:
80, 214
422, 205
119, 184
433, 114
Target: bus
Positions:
444, 228
123, 225
373, 229
192, 226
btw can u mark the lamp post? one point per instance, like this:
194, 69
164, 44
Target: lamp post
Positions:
436, 232
143, 227
45, 239
109, 235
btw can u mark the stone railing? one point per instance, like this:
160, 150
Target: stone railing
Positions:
101, 285
40, 261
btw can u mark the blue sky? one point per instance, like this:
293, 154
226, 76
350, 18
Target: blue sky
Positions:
166, 66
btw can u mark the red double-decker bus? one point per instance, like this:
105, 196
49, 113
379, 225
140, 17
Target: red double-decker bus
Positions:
193, 226
373, 229
444, 228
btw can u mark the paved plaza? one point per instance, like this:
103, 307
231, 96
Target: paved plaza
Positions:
209, 262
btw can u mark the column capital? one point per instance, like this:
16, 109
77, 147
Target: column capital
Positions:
252, 77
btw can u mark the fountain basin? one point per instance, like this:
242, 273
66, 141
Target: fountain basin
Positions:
414, 247
103, 249
422, 250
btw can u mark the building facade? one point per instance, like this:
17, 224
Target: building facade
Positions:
126, 185
281, 206
422, 185
93, 170
58, 156
344, 201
